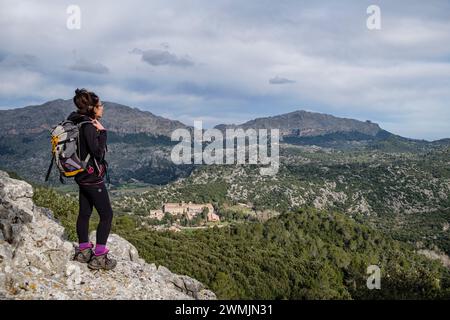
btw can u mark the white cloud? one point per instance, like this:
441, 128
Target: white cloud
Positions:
398, 76
279, 80
88, 66
156, 57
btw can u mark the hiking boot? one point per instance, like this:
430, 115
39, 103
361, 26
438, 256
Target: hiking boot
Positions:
83, 256
102, 262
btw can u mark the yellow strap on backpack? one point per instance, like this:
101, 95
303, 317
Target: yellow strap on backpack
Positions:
55, 140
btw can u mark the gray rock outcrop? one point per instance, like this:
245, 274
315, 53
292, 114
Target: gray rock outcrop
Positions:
35, 259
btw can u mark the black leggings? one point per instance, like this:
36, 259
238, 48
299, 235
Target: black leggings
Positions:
94, 196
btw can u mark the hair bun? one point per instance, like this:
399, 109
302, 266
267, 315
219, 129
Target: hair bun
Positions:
79, 91
85, 100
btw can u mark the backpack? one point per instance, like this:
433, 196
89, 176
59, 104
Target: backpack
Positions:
65, 140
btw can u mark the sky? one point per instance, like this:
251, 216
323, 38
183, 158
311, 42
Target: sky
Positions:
232, 61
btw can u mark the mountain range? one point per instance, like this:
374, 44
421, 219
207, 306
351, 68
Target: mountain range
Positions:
118, 118
140, 143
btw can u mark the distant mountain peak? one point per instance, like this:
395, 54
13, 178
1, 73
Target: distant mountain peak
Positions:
307, 123
118, 118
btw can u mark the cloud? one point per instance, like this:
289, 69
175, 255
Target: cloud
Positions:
87, 66
156, 57
278, 80
238, 51
26, 61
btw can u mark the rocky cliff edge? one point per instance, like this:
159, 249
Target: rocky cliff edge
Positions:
35, 259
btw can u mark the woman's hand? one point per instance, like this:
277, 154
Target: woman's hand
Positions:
98, 125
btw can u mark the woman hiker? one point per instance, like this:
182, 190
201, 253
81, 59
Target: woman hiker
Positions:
93, 192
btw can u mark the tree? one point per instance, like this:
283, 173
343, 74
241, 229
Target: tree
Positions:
225, 287
204, 213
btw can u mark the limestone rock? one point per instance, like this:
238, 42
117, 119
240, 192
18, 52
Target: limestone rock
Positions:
35, 260
122, 248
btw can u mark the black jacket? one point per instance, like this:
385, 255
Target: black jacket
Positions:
92, 141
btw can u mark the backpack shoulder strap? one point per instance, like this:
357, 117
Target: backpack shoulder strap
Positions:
79, 125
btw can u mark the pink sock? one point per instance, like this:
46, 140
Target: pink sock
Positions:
101, 249
85, 245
